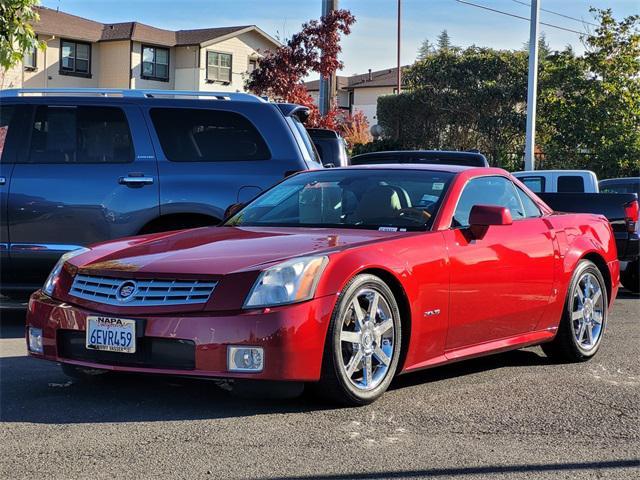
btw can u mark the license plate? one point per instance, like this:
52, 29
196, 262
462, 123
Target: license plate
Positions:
111, 334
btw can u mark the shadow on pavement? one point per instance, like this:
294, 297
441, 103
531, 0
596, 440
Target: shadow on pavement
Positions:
484, 470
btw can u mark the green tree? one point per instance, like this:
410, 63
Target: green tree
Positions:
426, 49
16, 33
544, 50
589, 106
444, 42
469, 100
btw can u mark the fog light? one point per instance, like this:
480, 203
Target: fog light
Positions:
35, 340
245, 359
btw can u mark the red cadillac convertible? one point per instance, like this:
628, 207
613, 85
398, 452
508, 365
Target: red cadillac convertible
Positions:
340, 278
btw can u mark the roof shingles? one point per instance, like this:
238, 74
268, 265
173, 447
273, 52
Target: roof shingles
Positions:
54, 22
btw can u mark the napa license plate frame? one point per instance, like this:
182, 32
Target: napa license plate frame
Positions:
111, 334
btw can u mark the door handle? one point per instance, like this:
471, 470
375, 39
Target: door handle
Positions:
3, 180
135, 181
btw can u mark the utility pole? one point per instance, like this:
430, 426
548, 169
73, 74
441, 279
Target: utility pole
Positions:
327, 85
532, 88
399, 73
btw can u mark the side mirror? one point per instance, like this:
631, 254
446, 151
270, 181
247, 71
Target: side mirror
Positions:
329, 165
484, 216
233, 209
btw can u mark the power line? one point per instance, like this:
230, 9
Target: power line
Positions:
484, 7
558, 14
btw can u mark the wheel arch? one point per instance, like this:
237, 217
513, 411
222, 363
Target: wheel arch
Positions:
601, 265
404, 306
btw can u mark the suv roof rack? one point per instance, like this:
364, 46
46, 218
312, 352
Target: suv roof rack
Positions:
116, 92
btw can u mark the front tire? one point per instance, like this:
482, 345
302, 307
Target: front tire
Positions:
584, 317
363, 343
630, 278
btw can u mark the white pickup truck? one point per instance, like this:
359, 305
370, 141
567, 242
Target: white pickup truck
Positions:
559, 181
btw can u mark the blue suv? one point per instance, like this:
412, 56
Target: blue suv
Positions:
87, 165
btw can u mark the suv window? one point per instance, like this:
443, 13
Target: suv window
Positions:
487, 191
570, 183
82, 134
203, 135
6, 114
530, 207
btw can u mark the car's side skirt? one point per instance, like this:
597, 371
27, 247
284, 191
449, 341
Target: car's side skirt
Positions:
487, 348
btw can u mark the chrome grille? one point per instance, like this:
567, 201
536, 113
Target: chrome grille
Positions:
148, 292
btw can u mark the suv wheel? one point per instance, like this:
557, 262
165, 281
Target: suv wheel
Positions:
630, 278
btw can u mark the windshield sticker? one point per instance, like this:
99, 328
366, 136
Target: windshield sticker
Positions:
437, 186
388, 229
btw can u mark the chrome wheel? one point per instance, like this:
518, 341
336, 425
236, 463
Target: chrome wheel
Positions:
367, 339
587, 312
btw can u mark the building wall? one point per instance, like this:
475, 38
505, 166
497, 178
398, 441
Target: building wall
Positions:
366, 100
241, 49
114, 64
136, 66
187, 75
47, 72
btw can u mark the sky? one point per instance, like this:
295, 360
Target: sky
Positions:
372, 43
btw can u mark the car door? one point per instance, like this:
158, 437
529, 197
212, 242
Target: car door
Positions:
10, 128
502, 282
87, 174
210, 158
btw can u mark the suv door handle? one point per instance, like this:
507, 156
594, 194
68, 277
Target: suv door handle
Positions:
135, 181
3, 180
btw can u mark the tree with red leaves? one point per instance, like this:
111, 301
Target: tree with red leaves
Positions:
315, 48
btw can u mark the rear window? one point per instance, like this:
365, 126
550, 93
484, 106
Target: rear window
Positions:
570, 183
203, 135
619, 187
535, 184
82, 134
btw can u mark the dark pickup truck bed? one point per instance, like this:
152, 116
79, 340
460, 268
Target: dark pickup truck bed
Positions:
621, 209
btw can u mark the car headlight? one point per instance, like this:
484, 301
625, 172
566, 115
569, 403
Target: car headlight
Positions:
288, 282
52, 279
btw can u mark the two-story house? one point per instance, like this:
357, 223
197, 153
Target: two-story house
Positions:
85, 53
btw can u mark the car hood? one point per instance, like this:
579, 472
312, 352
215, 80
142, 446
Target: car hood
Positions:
220, 250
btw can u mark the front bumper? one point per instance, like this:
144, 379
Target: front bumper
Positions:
292, 337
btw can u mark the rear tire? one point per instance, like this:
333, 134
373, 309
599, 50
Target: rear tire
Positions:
630, 278
363, 343
584, 317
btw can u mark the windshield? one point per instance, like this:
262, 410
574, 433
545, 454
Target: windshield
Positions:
350, 198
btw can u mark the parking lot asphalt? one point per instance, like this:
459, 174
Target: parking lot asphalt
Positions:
513, 415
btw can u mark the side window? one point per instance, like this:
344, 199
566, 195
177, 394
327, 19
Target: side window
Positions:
531, 210
487, 191
6, 114
535, 184
207, 135
570, 183
303, 139
80, 135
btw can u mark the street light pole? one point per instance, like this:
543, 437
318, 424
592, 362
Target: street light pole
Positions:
327, 85
532, 88
399, 74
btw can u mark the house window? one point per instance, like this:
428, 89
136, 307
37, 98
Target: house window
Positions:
75, 58
30, 58
253, 64
219, 67
155, 63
